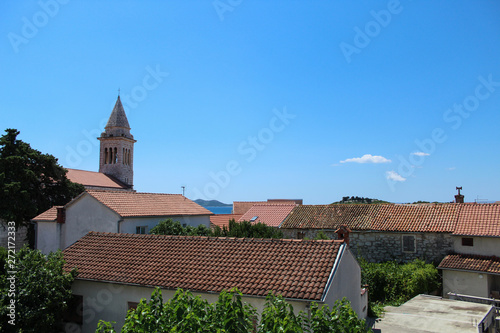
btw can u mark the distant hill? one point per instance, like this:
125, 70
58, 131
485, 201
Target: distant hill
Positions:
360, 200
211, 203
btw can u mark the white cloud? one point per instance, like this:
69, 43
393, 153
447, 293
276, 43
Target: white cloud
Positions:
367, 158
420, 153
452, 168
393, 175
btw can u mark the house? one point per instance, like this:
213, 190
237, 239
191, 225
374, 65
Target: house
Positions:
115, 271
381, 232
241, 207
474, 267
270, 214
113, 211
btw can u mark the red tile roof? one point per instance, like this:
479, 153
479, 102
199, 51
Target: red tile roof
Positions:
293, 268
94, 179
49, 215
417, 218
130, 204
479, 220
471, 263
356, 217
380, 217
222, 220
241, 207
269, 214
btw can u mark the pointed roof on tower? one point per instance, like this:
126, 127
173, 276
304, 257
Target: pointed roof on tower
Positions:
118, 117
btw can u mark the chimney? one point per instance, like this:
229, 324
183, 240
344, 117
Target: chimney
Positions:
343, 233
61, 215
459, 198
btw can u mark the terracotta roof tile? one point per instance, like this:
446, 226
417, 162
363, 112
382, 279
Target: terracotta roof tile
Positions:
129, 204
49, 215
94, 179
269, 214
356, 217
383, 217
206, 263
222, 220
471, 263
479, 220
417, 218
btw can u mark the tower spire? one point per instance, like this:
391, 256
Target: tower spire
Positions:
117, 146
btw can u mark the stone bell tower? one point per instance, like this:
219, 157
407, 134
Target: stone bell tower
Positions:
117, 147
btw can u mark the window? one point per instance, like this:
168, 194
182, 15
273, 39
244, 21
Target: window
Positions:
467, 241
409, 244
140, 230
132, 305
253, 219
301, 235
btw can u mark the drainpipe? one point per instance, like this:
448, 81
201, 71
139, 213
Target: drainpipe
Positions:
118, 225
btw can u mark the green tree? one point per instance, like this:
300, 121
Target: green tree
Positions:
30, 182
246, 229
168, 227
41, 291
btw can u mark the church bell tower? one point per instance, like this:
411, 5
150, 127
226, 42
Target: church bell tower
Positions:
117, 147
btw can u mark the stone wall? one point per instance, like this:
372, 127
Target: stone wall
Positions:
383, 246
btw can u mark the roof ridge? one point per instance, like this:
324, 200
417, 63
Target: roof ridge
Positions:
272, 240
129, 192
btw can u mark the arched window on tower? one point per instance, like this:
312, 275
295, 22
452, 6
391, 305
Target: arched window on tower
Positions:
110, 156
129, 158
123, 156
115, 156
105, 155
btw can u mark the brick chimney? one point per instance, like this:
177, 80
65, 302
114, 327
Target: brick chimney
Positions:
61, 215
459, 198
343, 233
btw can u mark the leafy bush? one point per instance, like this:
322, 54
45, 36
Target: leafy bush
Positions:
392, 283
187, 313
341, 319
278, 316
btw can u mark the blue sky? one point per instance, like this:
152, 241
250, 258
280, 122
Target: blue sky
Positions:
249, 100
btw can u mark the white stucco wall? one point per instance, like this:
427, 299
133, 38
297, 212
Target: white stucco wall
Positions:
84, 215
48, 235
485, 246
109, 302
347, 283
129, 224
467, 283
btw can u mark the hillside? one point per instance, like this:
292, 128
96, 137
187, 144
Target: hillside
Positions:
211, 203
